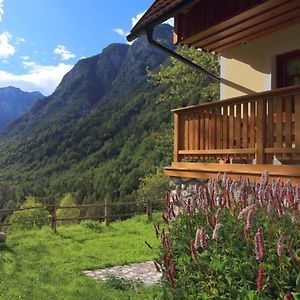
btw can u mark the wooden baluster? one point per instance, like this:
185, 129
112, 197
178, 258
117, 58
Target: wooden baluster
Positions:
218, 128
186, 131
231, 127
288, 125
176, 138
297, 125
202, 132
238, 128
196, 132
270, 129
279, 126
225, 127
261, 131
252, 126
206, 124
245, 127
213, 130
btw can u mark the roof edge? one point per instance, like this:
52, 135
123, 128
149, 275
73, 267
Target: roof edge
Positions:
139, 30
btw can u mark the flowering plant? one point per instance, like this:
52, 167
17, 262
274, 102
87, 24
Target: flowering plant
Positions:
232, 240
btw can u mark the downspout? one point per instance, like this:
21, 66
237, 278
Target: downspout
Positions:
184, 60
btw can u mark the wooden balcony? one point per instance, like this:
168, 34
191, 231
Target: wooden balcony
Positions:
256, 133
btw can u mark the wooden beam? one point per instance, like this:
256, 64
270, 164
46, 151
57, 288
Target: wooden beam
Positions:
218, 151
257, 30
286, 91
234, 21
276, 15
235, 171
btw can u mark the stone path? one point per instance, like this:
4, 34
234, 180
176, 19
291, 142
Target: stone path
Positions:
145, 272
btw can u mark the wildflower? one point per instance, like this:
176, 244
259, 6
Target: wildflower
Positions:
218, 215
259, 244
165, 242
245, 211
260, 278
197, 239
203, 239
193, 250
250, 217
216, 231
280, 245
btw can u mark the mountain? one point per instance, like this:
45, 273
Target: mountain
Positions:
15, 102
75, 139
104, 127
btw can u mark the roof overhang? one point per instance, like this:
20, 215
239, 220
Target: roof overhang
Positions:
159, 12
215, 25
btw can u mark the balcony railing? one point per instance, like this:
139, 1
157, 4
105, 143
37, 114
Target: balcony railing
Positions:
255, 128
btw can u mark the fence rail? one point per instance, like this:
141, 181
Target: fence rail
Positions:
107, 216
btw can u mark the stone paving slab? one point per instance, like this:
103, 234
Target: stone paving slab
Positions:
145, 272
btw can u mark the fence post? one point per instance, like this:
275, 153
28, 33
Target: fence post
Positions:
53, 223
176, 157
106, 211
149, 209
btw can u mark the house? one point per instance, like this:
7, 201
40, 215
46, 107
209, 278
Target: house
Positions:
256, 123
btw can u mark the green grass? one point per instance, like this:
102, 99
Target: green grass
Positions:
38, 264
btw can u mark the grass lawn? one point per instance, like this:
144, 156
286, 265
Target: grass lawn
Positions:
38, 264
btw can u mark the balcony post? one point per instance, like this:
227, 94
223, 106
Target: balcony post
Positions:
260, 130
176, 137
297, 124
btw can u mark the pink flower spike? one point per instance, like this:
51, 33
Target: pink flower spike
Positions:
280, 245
216, 231
259, 244
260, 278
197, 239
203, 239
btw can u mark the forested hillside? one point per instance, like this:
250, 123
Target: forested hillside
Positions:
106, 126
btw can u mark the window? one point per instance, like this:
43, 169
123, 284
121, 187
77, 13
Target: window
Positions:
288, 69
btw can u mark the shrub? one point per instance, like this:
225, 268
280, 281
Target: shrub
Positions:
67, 200
233, 240
153, 187
29, 218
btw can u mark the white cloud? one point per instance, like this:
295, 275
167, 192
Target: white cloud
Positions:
63, 52
1, 10
135, 19
43, 78
6, 49
121, 32
20, 40
24, 57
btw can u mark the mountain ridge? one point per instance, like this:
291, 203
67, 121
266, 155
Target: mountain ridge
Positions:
89, 123
14, 102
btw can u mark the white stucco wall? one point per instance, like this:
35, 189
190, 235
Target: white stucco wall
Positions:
251, 65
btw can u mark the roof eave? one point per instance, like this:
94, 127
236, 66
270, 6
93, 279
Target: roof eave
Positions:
136, 31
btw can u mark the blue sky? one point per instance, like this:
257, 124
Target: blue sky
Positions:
41, 40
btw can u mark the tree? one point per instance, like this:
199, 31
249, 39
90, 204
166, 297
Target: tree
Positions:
184, 85
68, 200
29, 218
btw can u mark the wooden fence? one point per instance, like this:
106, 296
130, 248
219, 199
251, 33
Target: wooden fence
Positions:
107, 216
256, 126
